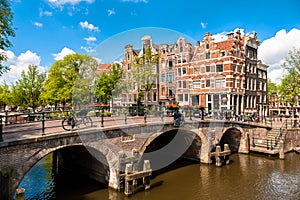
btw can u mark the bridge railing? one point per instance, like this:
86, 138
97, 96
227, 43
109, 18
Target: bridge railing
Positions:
20, 122
51, 121
269, 144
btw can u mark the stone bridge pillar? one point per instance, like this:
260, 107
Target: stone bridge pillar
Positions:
205, 152
206, 146
245, 143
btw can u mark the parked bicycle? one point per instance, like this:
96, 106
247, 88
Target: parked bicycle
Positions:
79, 120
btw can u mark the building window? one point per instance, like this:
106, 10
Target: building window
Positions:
128, 56
181, 49
234, 67
207, 46
179, 84
183, 84
180, 97
179, 59
170, 63
196, 84
128, 67
186, 97
223, 53
238, 53
207, 83
207, 68
183, 59
207, 55
233, 82
163, 78
219, 68
196, 70
170, 77
220, 83
163, 64
209, 97
181, 71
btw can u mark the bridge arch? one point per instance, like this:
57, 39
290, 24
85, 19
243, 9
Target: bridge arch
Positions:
102, 153
163, 148
232, 136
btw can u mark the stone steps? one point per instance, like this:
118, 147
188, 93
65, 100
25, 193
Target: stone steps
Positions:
268, 142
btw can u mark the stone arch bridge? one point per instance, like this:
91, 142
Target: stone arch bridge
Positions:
96, 151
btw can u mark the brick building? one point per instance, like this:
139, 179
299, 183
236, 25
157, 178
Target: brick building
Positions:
218, 75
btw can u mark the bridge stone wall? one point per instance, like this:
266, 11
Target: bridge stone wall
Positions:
292, 139
17, 157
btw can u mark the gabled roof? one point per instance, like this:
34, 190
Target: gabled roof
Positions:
103, 68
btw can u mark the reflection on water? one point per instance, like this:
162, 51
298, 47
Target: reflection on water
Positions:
251, 177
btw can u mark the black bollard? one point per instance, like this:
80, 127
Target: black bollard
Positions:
1, 138
43, 123
145, 116
102, 119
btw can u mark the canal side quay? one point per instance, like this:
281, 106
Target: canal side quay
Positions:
199, 140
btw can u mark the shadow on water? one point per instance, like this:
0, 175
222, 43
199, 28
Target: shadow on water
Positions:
179, 163
268, 177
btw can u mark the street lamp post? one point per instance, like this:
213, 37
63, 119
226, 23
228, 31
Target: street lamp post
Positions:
224, 101
190, 103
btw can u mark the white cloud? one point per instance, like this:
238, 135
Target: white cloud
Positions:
88, 26
90, 40
65, 51
45, 13
203, 25
223, 36
71, 2
111, 12
20, 63
88, 49
274, 50
135, 1
38, 24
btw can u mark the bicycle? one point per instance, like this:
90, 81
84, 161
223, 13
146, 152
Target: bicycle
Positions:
70, 122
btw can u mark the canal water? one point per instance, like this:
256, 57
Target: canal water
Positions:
246, 177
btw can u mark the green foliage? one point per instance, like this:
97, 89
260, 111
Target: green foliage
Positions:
6, 31
292, 61
69, 80
108, 84
289, 89
26, 91
145, 71
272, 89
5, 95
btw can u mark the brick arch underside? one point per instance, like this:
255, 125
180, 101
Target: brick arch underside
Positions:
100, 152
232, 137
174, 143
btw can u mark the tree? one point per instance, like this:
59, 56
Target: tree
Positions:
5, 95
145, 71
26, 91
289, 89
272, 90
292, 61
108, 85
69, 80
6, 31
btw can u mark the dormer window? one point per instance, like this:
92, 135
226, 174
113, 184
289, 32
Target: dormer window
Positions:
207, 46
181, 49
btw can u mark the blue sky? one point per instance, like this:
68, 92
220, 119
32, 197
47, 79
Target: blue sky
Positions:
46, 30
